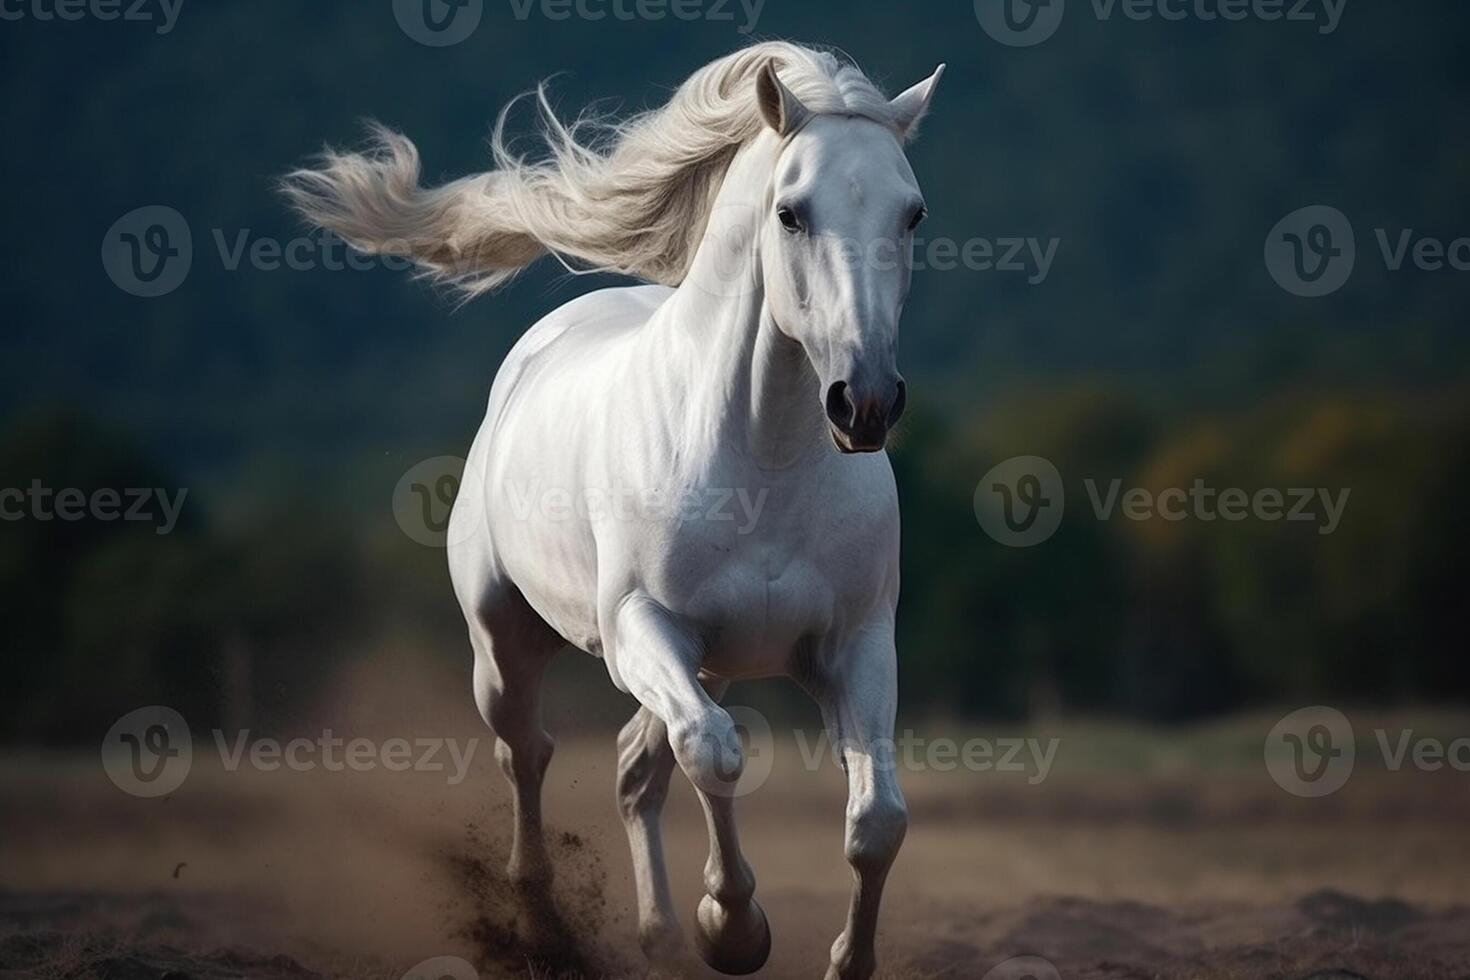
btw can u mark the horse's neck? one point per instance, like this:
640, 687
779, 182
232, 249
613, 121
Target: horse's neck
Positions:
752, 388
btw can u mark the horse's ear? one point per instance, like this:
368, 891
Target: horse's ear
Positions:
910, 107
781, 110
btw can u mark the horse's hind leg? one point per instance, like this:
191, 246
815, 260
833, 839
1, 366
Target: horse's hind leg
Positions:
513, 645
645, 763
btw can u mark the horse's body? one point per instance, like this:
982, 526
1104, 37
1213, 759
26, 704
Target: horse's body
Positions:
595, 507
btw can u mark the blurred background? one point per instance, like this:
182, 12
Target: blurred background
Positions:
1159, 347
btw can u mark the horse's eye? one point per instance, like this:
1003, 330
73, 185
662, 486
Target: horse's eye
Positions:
918, 218
788, 218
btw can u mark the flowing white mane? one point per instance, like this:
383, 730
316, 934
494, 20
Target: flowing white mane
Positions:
632, 196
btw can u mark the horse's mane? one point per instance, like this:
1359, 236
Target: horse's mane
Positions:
630, 196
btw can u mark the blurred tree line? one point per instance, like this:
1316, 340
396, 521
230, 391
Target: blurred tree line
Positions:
1155, 619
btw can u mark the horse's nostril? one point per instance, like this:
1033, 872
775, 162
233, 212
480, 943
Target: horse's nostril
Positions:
839, 405
900, 399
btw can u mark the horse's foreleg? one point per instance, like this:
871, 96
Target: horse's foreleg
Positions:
733, 935
859, 700
660, 660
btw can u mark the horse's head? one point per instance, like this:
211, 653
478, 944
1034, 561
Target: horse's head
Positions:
837, 246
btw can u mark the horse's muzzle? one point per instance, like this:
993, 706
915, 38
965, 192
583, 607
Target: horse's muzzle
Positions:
861, 418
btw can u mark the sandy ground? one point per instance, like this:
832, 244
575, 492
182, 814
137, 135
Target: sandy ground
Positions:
1141, 855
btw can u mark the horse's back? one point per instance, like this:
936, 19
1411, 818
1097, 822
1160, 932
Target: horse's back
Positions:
519, 465
577, 332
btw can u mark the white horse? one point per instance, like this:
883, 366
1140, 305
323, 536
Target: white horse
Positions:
771, 205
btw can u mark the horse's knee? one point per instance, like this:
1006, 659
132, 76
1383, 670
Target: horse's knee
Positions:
876, 829
525, 759
707, 748
644, 763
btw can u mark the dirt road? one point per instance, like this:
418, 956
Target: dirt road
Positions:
1132, 858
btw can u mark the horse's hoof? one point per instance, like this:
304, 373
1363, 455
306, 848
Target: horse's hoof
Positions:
736, 942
